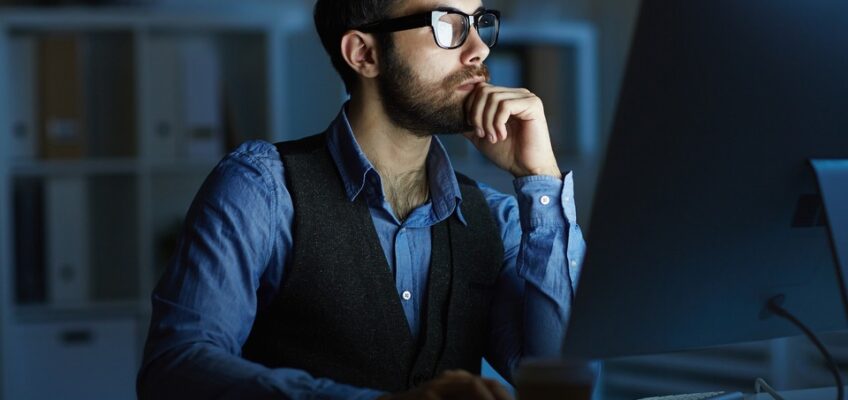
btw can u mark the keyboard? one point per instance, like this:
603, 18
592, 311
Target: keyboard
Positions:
701, 396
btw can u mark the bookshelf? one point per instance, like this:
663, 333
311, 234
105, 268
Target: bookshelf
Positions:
111, 118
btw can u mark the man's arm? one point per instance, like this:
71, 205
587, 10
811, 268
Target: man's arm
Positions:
543, 243
543, 249
228, 263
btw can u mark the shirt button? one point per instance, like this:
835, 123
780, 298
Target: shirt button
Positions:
545, 200
574, 263
567, 198
406, 295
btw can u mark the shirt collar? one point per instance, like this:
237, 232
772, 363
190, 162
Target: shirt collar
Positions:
444, 188
354, 169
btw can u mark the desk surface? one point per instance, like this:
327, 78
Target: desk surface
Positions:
827, 393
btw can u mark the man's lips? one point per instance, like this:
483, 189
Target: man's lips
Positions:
470, 84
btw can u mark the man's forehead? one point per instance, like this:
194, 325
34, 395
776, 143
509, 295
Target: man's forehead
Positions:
466, 6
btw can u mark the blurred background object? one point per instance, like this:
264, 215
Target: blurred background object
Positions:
113, 112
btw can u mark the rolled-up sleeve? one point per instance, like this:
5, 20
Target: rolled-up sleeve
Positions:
543, 249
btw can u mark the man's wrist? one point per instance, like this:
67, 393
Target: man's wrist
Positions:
539, 201
549, 171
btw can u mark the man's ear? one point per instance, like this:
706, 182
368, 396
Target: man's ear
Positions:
360, 52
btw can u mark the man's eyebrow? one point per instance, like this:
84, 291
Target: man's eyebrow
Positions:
448, 8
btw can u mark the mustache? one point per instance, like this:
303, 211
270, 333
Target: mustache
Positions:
466, 74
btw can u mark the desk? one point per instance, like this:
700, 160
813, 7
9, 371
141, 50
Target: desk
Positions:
556, 379
827, 393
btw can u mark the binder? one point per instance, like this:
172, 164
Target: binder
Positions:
108, 81
202, 94
24, 127
28, 220
164, 68
67, 229
60, 97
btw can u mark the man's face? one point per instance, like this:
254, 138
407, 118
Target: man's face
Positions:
423, 87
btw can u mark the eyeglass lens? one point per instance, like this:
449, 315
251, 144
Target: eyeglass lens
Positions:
451, 29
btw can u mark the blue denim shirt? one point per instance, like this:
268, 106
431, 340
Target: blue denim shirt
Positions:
232, 257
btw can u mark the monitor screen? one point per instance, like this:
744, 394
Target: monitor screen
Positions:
707, 205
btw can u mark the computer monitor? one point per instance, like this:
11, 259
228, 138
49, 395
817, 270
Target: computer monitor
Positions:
707, 204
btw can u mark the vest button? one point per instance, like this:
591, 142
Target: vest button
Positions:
418, 379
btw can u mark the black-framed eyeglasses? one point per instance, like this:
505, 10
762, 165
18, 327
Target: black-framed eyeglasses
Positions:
450, 27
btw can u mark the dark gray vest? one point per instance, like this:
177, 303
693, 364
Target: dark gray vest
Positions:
338, 314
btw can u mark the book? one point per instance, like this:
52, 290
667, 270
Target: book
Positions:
28, 228
202, 97
165, 69
67, 220
61, 130
108, 78
22, 63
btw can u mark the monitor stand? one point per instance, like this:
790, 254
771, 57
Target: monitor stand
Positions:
832, 176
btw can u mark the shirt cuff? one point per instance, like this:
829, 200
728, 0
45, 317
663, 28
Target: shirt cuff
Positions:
545, 201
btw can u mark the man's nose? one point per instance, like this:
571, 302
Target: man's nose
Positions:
474, 50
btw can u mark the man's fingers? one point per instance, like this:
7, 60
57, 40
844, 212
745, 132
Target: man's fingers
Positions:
470, 388
477, 106
497, 390
461, 384
481, 389
472, 108
496, 104
458, 372
489, 108
509, 108
502, 115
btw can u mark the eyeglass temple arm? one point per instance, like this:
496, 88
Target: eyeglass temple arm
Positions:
398, 24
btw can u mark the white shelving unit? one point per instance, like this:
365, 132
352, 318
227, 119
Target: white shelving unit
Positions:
92, 348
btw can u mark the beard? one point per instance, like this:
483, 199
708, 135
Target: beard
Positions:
421, 107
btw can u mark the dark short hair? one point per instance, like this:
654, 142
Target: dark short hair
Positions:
335, 17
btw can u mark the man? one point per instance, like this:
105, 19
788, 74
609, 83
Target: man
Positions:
356, 264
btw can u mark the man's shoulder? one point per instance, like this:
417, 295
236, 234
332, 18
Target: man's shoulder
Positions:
255, 149
263, 150
253, 158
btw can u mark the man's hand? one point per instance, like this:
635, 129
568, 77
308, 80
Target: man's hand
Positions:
511, 130
456, 384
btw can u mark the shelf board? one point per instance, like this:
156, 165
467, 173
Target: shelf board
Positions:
105, 166
184, 166
144, 17
97, 309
